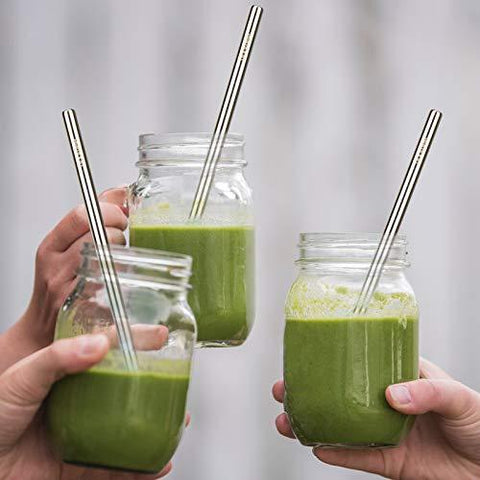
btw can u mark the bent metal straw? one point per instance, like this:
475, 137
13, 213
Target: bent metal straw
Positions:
398, 211
226, 112
100, 240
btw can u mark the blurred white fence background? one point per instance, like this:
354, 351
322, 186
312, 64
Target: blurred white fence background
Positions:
332, 105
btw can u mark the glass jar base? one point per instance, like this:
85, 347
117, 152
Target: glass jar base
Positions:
218, 343
106, 467
353, 446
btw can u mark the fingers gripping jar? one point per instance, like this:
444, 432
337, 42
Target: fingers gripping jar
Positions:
221, 243
109, 416
338, 365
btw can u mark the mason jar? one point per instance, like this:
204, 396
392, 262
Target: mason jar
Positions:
110, 416
221, 243
337, 365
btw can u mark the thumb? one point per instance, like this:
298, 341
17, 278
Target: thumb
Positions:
25, 385
448, 398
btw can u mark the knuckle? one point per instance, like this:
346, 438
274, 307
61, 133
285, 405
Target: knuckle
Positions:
55, 288
116, 236
120, 240
114, 194
78, 218
56, 350
465, 398
115, 215
105, 193
51, 284
17, 389
458, 386
434, 390
42, 252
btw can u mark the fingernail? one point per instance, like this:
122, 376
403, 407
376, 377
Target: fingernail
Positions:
400, 394
90, 344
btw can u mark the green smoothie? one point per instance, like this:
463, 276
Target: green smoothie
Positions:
337, 367
222, 295
117, 419
336, 372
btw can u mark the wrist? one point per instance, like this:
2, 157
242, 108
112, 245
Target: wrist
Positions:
31, 331
14, 344
39, 319
20, 340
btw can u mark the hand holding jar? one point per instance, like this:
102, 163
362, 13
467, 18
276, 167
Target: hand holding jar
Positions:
163, 333
111, 416
444, 443
25, 451
351, 381
57, 261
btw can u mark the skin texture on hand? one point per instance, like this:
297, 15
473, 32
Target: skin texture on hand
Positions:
444, 443
25, 452
57, 260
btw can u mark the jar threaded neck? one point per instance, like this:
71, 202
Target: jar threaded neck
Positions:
354, 250
187, 149
147, 266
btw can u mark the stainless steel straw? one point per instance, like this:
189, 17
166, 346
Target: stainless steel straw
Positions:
226, 112
100, 241
398, 212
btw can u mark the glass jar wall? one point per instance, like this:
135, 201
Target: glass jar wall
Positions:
221, 243
338, 365
109, 416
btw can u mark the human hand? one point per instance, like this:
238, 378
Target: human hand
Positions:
25, 452
57, 260
443, 444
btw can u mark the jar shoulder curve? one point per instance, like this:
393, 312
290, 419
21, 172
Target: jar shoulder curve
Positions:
168, 198
181, 318
327, 296
168, 182
66, 326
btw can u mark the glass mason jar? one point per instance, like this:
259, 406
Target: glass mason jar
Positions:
109, 416
337, 365
221, 243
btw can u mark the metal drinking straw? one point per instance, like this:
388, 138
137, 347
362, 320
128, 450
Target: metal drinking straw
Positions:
398, 211
100, 241
226, 112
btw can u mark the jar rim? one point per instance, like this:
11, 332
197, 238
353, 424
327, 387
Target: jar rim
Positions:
157, 149
349, 248
347, 238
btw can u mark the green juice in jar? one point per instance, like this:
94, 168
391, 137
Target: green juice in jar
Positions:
222, 295
336, 369
111, 418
